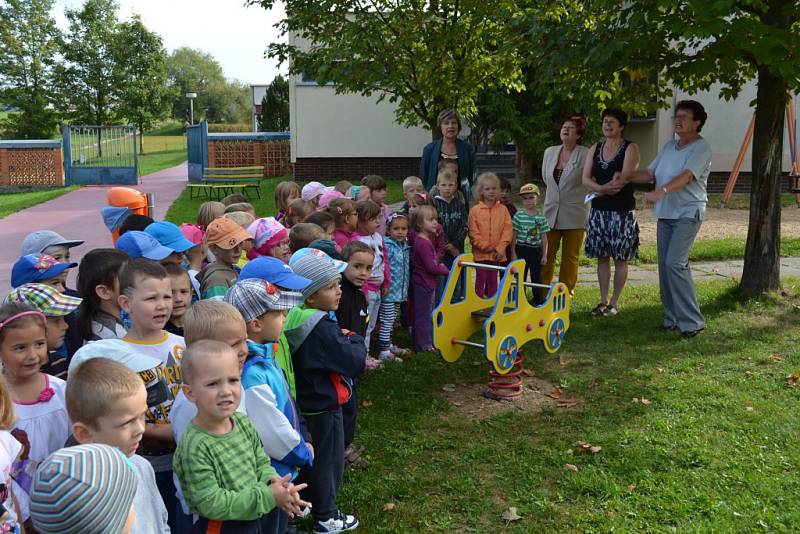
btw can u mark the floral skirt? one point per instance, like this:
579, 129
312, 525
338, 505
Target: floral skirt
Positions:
612, 234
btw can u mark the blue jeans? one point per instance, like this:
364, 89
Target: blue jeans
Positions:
675, 238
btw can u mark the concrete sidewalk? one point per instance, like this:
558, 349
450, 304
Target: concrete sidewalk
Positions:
76, 215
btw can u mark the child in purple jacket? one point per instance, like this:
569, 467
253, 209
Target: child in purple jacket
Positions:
425, 266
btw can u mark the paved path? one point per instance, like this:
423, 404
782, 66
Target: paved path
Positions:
76, 215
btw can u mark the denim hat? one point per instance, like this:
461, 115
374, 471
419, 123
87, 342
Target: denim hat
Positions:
114, 216
37, 242
35, 268
142, 245
83, 489
255, 297
169, 235
274, 271
44, 298
318, 267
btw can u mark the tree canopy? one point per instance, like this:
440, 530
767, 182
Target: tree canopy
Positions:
274, 116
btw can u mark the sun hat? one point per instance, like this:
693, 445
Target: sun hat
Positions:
37, 242
267, 233
86, 489
312, 190
318, 267
44, 298
114, 216
254, 297
138, 244
529, 189
327, 196
274, 271
37, 267
225, 233
192, 232
117, 350
169, 235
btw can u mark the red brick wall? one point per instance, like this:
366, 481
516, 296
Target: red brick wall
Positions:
273, 155
717, 182
31, 167
352, 169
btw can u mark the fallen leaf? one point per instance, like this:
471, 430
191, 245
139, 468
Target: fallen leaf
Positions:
659, 370
592, 384
775, 357
793, 380
646, 402
456, 403
571, 467
367, 403
635, 399
555, 393
610, 513
749, 408
388, 506
511, 514
631, 487
449, 387
595, 449
564, 361
528, 372
567, 403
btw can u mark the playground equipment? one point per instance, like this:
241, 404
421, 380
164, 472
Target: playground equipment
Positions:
126, 197
508, 321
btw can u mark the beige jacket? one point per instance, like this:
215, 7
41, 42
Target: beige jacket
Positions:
563, 203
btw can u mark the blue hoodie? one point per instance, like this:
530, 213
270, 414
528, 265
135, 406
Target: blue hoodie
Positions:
274, 413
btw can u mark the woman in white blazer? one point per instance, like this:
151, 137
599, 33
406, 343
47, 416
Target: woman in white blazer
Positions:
564, 207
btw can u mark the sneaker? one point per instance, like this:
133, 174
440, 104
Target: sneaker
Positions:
598, 310
389, 356
373, 364
399, 351
338, 523
610, 311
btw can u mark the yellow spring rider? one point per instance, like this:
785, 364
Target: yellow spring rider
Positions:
508, 321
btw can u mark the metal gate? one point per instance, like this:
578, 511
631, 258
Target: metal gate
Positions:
100, 155
197, 145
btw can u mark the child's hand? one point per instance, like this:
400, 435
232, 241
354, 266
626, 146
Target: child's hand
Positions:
311, 449
384, 291
286, 494
345, 331
452, 250
544, 259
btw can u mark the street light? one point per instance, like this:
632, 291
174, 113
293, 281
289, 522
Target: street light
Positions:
191, 97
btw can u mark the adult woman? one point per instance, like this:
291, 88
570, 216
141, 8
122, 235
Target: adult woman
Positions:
680, 172
562, 167
612, 230
448, 147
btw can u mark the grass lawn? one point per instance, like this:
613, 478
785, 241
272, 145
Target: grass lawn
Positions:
14, 202
712, 449
184, 209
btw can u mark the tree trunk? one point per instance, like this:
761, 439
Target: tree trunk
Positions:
761, 271
524, 167
141, 140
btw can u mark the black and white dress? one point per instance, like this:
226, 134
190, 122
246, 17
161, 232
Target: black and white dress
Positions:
612, 230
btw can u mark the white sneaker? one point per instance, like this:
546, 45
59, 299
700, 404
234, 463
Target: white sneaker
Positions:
338, 523
389, 356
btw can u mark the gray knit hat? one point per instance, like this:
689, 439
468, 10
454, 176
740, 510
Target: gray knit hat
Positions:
254, 297
318, 267
87, 489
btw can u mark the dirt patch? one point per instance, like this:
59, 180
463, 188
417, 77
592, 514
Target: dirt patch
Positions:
720, 223
469, 399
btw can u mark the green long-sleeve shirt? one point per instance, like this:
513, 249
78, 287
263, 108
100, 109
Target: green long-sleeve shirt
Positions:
225, 477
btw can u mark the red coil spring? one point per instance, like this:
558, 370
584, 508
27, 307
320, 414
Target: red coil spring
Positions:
509, 385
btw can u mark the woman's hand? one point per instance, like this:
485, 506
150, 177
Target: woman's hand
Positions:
654, 196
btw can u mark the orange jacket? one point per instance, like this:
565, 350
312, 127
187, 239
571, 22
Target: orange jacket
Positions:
490, 227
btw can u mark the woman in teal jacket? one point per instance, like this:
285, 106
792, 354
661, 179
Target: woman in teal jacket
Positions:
448, 147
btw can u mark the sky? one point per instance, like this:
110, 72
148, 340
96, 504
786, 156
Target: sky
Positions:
235, 35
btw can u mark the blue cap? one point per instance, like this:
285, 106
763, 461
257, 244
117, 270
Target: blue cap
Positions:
273, 271
35, 268
169, 235
138, 244
114, 216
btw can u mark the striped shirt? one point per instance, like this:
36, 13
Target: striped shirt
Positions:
225, 477
529, 229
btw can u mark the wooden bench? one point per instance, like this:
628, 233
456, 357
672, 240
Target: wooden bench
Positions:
219, 182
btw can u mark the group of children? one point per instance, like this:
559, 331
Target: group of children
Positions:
210, 370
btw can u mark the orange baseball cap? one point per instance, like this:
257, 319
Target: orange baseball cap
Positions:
225, 233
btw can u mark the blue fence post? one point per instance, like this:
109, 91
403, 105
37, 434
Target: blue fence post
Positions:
136, 157
204, 144
66, 149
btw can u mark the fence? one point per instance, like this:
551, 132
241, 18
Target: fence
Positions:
30, 164
100, 155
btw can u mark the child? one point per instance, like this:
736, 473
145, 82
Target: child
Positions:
398, 257
42, 421
226, 477
235, 198
207, 212
242, 218
271, 239
505, 197
224, 239
377, 194
55, 306
146, 295
268, 399
135, 223
302, 234
530, 243
181, 287
298, 210
490, 233
326, 198
343, 187
345, 218
40, 268
107, 403
240, 206
312, 192
88, 488
138, 244
412, 185
324, 220
99, 316
196, 256
369, 214
452, 213
50, 243
285, 193
10, 449
170, 236
424, 269
325, 360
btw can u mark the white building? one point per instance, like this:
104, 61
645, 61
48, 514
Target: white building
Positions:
257, 93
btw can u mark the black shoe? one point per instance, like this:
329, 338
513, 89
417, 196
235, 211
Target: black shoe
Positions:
669, 328
599, 309
691, 333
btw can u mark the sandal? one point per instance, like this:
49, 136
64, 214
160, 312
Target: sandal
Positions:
353, 458
610, 311
399, 351
599, 310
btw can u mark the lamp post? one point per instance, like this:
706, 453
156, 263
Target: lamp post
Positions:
191, 97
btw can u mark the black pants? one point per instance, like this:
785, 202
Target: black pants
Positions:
533, 268
349, 415
325, 477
